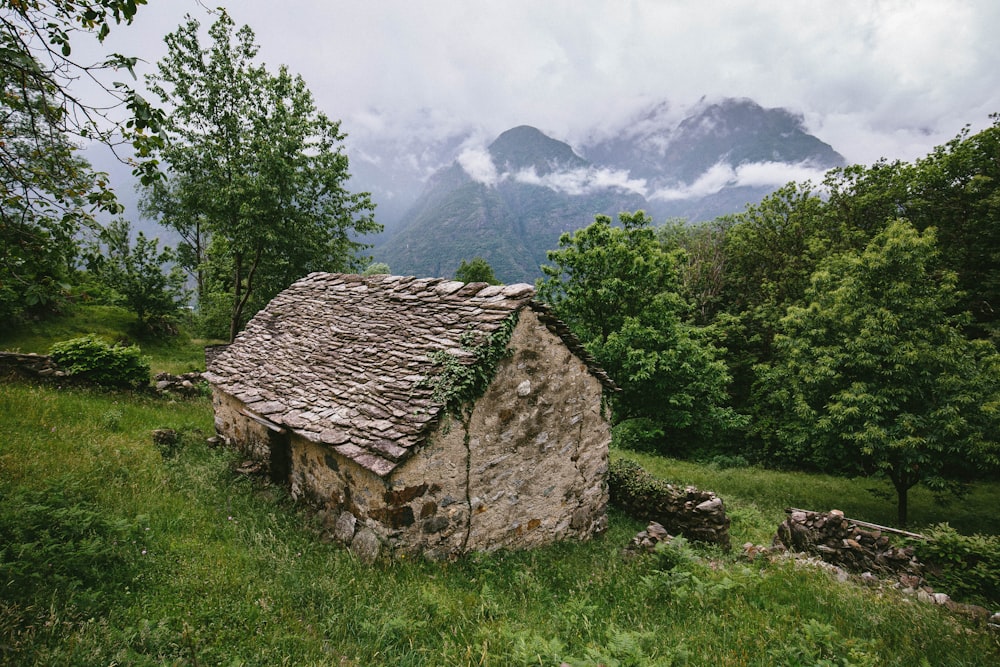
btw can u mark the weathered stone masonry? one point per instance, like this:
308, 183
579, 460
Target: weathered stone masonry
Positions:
523, 466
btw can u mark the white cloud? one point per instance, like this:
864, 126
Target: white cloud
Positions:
777, 173
582, 181
890, 78
755, 174
710, 182
478, 164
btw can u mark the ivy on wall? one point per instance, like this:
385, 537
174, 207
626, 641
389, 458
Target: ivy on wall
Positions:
464, 378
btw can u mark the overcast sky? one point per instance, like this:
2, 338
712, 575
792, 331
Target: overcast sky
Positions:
873, 78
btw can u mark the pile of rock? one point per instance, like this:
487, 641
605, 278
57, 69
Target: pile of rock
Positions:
646, 540
28, 365
846, 543
185, 384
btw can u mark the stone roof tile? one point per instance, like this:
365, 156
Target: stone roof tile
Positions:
344, 358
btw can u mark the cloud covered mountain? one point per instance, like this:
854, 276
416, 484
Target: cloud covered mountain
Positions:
509, 201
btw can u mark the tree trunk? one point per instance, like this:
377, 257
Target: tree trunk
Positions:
902, 483
901, 506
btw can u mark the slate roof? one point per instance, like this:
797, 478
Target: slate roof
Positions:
340, 359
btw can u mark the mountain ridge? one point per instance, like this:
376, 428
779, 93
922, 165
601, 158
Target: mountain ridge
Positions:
510, 201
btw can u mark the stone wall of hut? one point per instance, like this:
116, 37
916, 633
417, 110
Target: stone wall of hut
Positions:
526, 466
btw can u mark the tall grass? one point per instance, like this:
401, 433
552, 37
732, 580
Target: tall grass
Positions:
171, 557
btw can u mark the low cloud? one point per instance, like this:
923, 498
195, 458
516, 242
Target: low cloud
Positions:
478, 164
583, 181
755, 174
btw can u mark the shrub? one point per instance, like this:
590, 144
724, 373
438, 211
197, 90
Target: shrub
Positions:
727, 461
967, 567
93, 360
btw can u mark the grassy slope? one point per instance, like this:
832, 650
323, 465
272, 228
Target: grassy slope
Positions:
112, 552
115, 324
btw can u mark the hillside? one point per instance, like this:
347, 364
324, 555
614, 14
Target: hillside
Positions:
114, 550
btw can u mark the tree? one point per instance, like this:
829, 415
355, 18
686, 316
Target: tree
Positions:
874, 375
476, 271
956, 189
703, 270
47, 193
256, 173
618, 290
376, 269
136, 272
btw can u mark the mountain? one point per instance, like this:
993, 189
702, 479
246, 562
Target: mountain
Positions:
718, 158
510, 213
510, 201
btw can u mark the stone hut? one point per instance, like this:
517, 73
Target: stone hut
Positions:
425, 415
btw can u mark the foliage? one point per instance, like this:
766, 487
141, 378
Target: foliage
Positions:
376, 269
91, 359
256, 173
618, 289
136, 273
57, 545
875, 376
818, 644
476, 271
956, 189
703, 269
463, 379
637, 434
48, 194
967, 567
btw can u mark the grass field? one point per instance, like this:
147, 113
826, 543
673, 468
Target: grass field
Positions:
115, 552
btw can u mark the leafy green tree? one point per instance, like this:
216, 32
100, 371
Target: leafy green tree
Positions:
618, 290
476, 271
48, 194
956, 189
873, 374
138, 272
703, 271
256, 173
769, 252
376, 269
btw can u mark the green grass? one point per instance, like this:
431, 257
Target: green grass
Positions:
178, 560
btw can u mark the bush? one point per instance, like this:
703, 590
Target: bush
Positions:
93, 360
966, 567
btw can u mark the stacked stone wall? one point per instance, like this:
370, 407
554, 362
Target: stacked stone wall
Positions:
238, 430
846, 543
694, 513
15, 364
